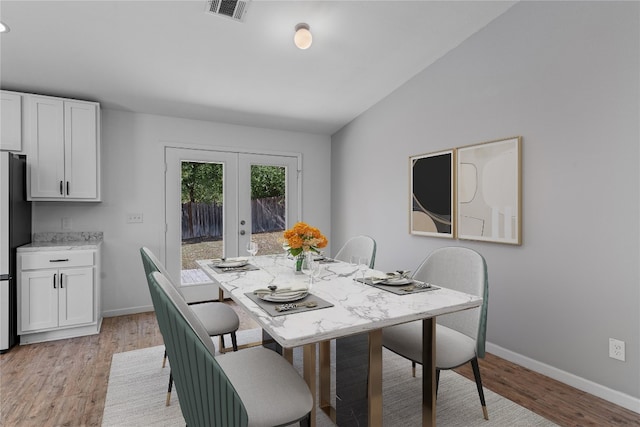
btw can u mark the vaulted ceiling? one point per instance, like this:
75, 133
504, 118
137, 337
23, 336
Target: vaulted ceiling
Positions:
171, 58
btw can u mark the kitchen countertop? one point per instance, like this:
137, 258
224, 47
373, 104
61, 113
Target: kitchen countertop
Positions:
59, 246
63, 241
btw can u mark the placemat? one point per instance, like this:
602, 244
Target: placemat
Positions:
409, 288
270, 307
247, 267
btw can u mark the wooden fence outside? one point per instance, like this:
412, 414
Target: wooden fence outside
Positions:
204, 220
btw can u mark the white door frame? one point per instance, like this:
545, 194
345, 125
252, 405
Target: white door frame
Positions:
234, 160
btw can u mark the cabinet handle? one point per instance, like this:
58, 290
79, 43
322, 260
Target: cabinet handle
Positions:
61, 193
61, 281
59, 260
67, 188
54, 281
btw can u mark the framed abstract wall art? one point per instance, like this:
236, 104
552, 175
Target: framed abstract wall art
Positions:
432, 186
489, 187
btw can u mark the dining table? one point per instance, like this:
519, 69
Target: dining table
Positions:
345, 306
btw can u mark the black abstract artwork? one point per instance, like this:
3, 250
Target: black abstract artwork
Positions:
432, 194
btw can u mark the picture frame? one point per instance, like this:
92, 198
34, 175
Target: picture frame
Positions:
489, 191
431, 206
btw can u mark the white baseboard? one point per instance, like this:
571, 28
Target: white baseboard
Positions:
610, 395
130, 310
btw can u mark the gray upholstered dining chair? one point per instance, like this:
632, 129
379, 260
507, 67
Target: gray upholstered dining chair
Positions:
218, 318
253, 387
460, 337
361, 246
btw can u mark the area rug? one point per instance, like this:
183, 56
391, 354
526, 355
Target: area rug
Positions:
138, 383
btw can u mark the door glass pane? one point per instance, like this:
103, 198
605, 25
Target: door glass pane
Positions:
268, 207
202, 217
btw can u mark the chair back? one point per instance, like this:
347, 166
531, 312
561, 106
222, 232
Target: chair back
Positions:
207, 397
151, 264
360, 246
463, 270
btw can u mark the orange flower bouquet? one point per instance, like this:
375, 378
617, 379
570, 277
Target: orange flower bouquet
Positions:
303, 238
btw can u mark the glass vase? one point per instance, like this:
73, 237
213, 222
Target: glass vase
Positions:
299, 261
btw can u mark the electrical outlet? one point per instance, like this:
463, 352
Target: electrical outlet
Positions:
616, 349
134, 218
66, 223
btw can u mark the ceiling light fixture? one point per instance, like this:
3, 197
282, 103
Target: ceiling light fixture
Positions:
4, 28
303, 37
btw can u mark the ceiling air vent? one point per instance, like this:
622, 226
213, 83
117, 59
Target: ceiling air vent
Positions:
234, 9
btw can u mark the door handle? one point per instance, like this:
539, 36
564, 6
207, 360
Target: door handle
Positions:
242, 232
60, 280
54, 281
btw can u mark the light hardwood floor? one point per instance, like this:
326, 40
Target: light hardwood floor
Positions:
64, 383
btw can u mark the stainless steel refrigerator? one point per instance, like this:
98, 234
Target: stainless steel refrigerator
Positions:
15, 230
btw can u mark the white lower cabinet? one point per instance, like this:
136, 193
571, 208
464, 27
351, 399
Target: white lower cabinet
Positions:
58, 295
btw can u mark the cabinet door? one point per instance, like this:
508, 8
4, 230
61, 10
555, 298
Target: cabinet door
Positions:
10, 121
46, 147
81, 150
75, 296
39, 300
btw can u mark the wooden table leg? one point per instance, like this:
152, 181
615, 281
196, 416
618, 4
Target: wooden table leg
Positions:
325, 380
375, 378
429, 372
287, 353
309, 374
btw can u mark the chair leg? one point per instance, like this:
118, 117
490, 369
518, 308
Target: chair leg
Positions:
164, 358
234, 341
413, 369
222, 344
306, 421
168, 401
476, 374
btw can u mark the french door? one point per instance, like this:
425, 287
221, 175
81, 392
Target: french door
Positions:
218, 201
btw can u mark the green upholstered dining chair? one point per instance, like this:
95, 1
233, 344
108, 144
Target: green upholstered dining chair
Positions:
360, 246
460, 336
253, 387
218, 318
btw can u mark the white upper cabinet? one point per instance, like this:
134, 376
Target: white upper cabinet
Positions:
10, 121
63, 149
81, 150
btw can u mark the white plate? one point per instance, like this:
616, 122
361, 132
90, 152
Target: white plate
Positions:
284, 297
397, 281
234, 263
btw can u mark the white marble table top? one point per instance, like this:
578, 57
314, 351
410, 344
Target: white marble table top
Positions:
357, 307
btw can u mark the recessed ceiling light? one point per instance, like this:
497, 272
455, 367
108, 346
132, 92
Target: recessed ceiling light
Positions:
303, 37
4, 28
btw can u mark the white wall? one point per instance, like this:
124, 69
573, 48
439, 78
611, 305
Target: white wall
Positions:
565, 76
133, 181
